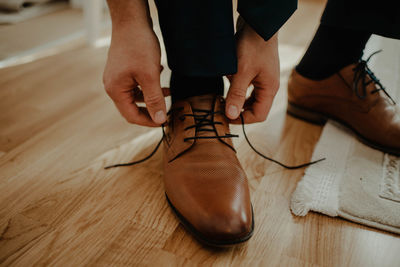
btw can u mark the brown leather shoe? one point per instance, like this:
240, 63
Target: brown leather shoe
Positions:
353, 97
204, 182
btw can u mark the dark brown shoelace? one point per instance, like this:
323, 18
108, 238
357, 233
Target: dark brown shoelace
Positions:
361, 72
204, 118
202, 121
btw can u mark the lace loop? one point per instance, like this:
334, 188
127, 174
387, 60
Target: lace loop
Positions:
202, 121
271, 159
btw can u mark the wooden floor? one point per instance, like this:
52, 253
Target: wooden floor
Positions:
59, 207
42, 30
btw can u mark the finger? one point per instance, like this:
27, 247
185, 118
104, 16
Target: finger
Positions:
247, 106
137, 94
153, 97
257, 106
237, 94
131, 112
250, 100
261, 105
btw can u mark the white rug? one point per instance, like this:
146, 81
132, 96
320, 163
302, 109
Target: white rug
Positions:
356, 182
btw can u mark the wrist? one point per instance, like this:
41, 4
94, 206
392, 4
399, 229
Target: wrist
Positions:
242, 27
131, 30
129, 15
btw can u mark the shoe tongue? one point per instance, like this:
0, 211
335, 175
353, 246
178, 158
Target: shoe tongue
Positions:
204, 102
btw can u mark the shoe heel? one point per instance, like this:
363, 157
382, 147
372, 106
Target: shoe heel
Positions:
306, 115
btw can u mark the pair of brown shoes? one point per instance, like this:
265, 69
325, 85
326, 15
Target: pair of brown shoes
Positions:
205, 184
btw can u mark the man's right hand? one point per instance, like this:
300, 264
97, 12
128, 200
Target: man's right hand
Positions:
132, 72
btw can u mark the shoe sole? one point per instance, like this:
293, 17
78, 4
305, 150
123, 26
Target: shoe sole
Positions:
320, 119
207, 241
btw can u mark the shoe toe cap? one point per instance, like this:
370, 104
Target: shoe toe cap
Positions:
227, 226
233, 230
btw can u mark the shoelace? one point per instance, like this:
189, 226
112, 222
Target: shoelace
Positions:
361, 71
202, 120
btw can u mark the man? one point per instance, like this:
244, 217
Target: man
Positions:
204, 182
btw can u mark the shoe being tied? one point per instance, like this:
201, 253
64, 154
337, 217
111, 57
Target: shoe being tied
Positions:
204, 182
353, 97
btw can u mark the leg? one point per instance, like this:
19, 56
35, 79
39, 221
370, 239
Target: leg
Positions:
210, 199
204, 182
377, 17
344, 30
331, 50
199, 40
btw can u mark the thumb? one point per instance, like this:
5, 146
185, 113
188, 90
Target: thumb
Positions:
236, 95
154, 99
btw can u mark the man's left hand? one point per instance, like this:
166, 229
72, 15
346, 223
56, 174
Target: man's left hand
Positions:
258, 64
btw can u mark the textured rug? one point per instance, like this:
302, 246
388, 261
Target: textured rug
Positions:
356, 182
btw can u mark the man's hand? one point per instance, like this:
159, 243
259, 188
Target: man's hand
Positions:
258, 64
134, 60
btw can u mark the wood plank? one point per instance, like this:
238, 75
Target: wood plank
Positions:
58, 206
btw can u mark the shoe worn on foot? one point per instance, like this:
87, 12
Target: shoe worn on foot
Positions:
353, 97
205, 184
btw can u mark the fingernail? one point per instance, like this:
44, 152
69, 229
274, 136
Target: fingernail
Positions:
159, 117
233, 111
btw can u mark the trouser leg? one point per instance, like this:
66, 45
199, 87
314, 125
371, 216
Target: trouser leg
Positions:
330, 50
199, 41
377, 17
346, 26
198, 36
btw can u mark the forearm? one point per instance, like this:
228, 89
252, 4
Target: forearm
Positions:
133, 64
125, 14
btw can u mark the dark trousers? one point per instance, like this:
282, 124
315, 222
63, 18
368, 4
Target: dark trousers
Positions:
376, 17
199, 35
